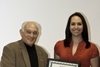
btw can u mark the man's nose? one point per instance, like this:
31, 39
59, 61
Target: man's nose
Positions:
31, 34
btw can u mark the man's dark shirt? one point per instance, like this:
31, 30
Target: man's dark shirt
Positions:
32, 55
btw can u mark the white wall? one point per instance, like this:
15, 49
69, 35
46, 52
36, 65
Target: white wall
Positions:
52, 15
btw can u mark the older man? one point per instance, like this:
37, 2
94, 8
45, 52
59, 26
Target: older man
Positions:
24, 52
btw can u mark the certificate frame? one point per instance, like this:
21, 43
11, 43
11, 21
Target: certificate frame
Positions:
58, 63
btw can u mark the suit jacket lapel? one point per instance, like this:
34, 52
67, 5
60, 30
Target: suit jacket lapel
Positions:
25, 54
40, 57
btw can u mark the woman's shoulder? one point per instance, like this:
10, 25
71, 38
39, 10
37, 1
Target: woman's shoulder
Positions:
94, 49
93, 45
60, 42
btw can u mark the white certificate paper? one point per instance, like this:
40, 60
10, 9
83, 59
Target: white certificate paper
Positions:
59, 63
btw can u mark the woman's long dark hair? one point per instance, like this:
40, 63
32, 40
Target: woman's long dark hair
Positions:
68, 34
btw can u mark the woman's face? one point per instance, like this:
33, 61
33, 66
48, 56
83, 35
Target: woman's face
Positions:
76, 26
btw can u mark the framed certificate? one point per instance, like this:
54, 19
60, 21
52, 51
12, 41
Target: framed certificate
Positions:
59, 63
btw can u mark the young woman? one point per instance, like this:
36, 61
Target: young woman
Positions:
76, 46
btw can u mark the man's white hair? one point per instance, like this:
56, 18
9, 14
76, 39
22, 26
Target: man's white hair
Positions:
23, 25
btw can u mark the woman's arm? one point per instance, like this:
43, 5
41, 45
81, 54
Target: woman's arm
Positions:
95, 62
56, 56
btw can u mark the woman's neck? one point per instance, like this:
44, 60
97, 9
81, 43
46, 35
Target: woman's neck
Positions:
77, 40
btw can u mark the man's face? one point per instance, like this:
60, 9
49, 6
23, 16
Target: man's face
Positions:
29, 34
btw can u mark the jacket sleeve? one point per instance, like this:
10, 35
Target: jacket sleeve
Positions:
8, 57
